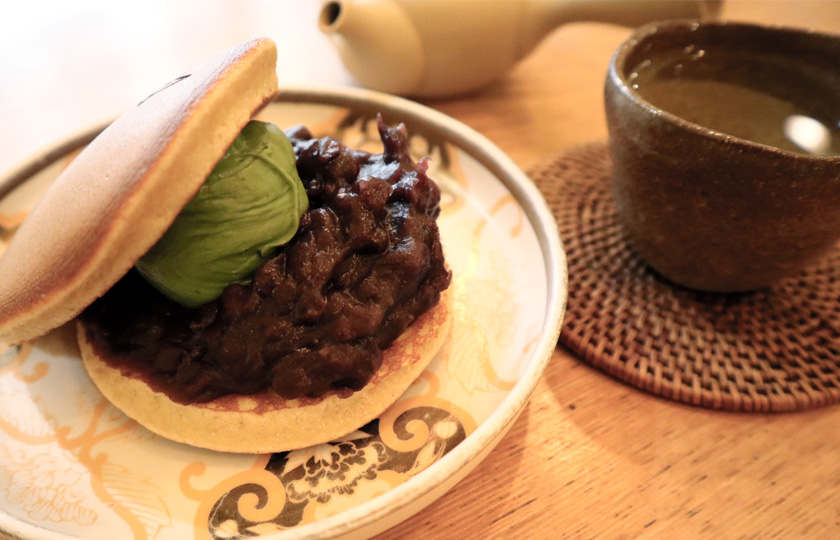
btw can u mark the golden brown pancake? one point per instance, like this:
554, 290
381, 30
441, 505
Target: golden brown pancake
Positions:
118, 197
265, 422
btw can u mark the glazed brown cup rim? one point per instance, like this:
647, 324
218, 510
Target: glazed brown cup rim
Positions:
616, 76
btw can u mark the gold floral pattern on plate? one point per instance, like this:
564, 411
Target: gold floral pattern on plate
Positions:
323, 480
73, 464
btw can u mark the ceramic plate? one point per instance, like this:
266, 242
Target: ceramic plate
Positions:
72, 466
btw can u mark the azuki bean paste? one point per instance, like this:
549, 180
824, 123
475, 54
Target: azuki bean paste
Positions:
365, 263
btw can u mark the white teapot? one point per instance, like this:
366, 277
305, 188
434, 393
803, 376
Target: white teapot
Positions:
446, 47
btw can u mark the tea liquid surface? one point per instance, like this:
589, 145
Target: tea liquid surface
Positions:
766, 99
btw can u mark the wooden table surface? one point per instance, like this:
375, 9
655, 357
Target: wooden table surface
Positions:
590, 457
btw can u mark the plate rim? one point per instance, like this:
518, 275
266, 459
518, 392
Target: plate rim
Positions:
488, 432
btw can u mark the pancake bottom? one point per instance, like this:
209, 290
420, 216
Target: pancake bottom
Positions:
265, 422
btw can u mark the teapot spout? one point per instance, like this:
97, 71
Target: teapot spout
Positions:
376, 42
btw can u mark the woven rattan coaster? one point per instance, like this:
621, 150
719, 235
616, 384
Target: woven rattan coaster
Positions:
772, 350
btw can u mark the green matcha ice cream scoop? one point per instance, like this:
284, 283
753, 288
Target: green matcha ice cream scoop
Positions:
248, 207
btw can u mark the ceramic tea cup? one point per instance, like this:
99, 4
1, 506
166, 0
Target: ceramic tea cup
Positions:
725, 141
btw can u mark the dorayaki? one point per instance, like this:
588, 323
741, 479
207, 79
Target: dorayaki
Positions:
237, 287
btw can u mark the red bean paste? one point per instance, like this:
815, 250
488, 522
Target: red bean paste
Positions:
364, 264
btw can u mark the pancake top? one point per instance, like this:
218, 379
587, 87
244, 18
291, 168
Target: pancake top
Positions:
118, 197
